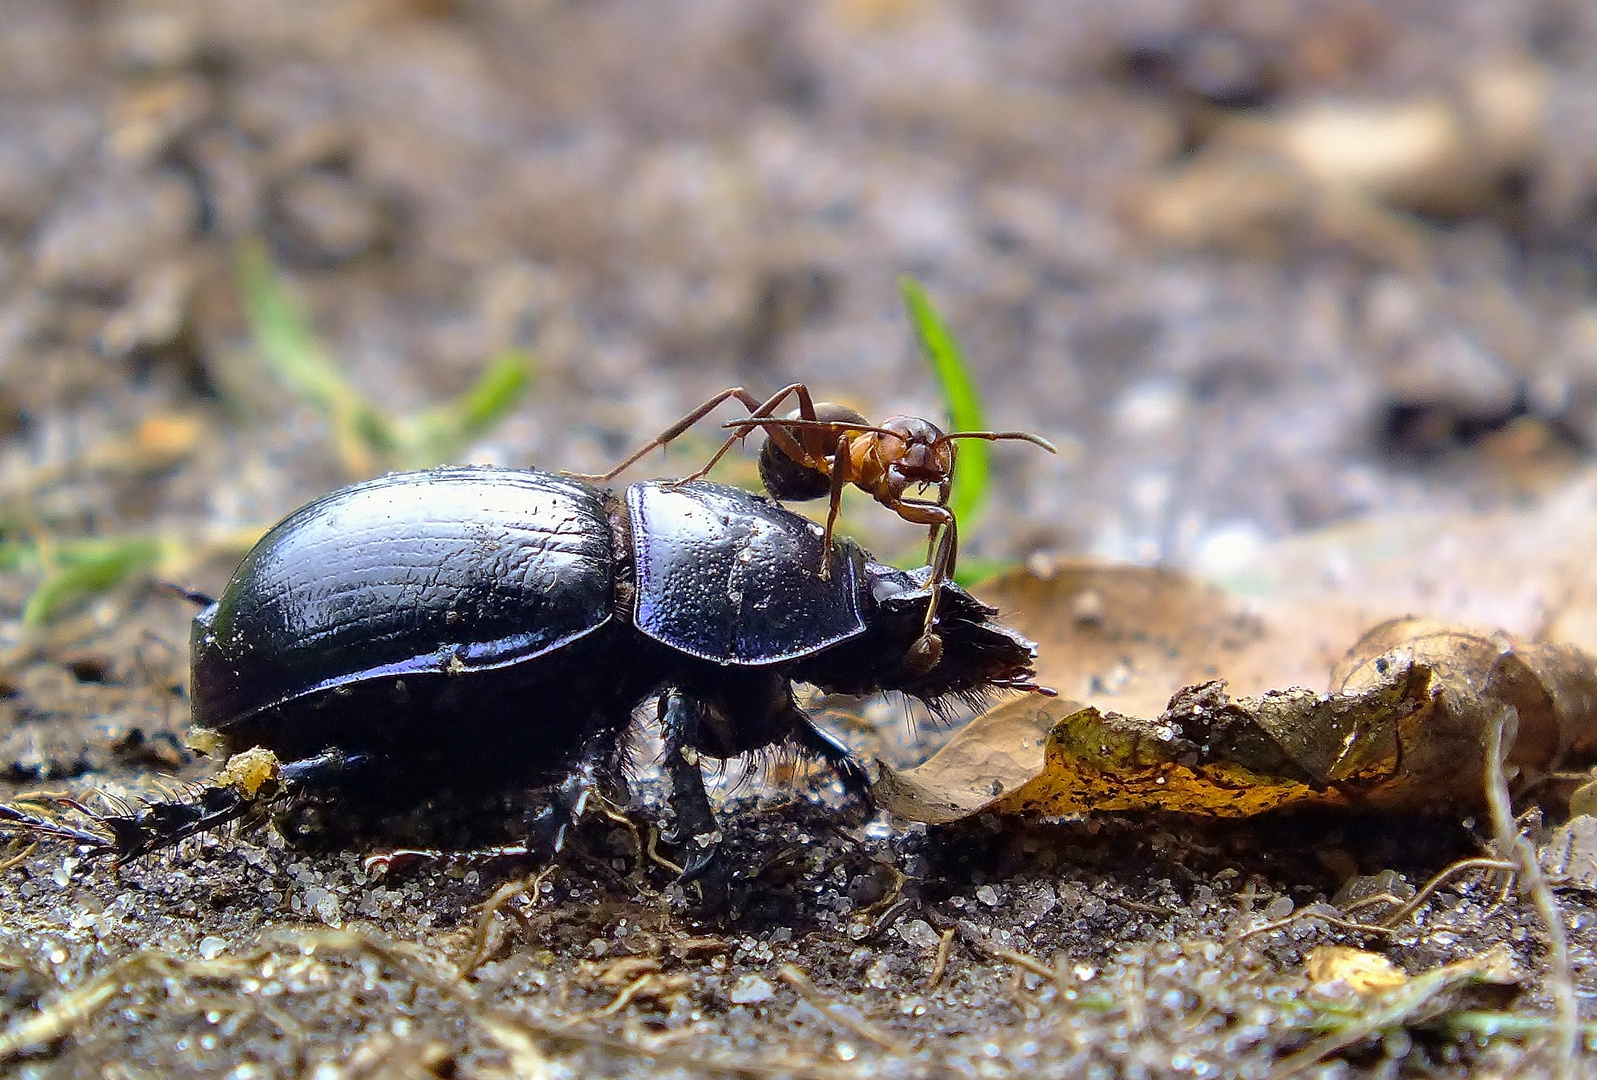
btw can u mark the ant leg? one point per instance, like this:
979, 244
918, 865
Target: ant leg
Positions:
944, 490
942, 521
775, 430
671, 433
942, 568
947, 553
757, 409
842, 467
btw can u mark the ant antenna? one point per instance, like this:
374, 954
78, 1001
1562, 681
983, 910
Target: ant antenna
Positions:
995, 436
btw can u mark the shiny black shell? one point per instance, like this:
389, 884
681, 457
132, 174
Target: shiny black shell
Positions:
488, 580
729, 577
448, 572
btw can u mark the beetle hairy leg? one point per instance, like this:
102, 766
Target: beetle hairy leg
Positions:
697, 831
249, 781
385, 862
849, 769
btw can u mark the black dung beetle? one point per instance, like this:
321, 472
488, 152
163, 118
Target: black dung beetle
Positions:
480, 629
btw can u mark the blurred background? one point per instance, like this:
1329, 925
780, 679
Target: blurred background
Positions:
1256, 267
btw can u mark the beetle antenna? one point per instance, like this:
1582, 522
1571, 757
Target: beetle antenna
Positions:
192, 596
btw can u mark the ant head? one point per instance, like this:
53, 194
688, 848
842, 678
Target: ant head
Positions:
925, 454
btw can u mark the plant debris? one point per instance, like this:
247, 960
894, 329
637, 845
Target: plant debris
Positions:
1404, 728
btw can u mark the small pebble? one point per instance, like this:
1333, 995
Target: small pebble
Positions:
1086, 607
919, 932
751, 990
211, 947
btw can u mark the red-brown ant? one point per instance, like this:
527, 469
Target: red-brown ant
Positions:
820, 448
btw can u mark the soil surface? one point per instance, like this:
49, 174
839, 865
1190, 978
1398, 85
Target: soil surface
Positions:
659, 200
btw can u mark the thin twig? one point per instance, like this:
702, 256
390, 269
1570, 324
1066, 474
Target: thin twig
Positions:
940, 963
891, 897
1560, 983
812, 995
886, 919
1390, 924
20, 858
1021, 960
1437, 881
650, 981
1132, 990
653, 851
502, 896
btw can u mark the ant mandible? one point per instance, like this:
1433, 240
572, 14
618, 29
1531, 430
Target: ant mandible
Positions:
820, 448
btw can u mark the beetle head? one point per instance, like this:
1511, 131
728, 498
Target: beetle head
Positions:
969, 657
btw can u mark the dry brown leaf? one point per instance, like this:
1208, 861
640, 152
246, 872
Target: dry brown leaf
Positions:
969, 774
1404, 728
1127, 637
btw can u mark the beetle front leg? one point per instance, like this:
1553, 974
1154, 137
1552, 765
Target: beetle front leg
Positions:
849, 768
697, 831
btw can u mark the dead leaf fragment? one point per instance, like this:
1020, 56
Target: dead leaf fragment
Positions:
1553, 687
1124, 637
1363, 973
1405, 727
1569, 857
969, 774
1487, 977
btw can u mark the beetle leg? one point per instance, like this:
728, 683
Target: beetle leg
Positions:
550, 822
161, 824
696, 828
849, 769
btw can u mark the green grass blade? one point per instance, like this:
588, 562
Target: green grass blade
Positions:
495, 394
88, 567
439, 435
289, 345
959, 395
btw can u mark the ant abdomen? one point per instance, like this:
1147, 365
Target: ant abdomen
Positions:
792, 481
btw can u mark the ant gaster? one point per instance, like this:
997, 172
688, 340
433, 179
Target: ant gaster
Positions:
820, 448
